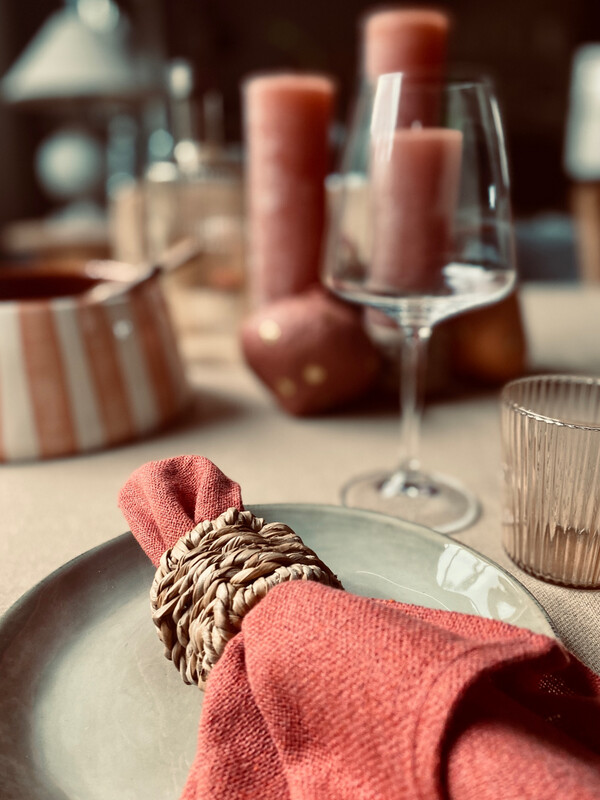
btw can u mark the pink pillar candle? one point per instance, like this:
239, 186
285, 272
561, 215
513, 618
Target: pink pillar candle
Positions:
287, 119
404, 40
415, 179
412, 41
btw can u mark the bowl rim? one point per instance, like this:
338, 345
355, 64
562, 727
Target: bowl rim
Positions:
113, 281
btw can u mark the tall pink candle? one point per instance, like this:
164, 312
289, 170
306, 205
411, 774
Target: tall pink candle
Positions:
402, 40
412, 41
414, 189
287, 120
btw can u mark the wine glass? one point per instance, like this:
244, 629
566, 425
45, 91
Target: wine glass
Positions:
420, 230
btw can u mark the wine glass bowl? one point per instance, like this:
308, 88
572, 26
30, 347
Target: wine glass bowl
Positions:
421, 230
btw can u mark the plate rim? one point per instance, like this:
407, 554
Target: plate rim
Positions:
10, 617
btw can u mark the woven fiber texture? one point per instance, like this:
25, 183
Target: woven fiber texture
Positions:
326, 695
206, 584
214, 560
162, 500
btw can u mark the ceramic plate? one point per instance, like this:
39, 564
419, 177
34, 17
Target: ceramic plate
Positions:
91, 710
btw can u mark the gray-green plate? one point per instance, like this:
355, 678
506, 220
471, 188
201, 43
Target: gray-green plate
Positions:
91, 710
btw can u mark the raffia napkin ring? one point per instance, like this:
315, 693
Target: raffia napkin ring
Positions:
209, 580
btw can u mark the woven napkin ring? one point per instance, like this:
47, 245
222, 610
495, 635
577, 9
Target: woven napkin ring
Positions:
214, 575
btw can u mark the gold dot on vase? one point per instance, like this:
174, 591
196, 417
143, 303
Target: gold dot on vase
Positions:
314, 374
269, 331
285, 387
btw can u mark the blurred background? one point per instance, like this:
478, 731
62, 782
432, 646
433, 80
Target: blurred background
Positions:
67, 137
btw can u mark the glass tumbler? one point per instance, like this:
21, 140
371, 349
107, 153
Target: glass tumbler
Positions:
551, 466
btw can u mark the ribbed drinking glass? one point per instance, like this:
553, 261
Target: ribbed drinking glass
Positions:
551, 455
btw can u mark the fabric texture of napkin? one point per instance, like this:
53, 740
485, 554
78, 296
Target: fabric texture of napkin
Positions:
324, 694
329, 695
162, 500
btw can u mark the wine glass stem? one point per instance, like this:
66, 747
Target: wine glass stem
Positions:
413, 357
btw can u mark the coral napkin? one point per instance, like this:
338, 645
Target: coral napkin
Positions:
162, 500
328, 695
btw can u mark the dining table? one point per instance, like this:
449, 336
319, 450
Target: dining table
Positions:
55, 510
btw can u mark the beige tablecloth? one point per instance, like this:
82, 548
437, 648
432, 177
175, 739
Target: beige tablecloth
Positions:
53, 511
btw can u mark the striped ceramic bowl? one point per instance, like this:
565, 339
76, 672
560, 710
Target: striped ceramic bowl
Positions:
88, 358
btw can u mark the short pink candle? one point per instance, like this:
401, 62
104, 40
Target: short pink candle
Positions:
415, 181
402, 40
287, 120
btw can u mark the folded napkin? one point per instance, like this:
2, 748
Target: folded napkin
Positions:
162, 500
215, 561
324, 694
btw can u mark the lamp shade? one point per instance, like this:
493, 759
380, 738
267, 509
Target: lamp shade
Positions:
68, 59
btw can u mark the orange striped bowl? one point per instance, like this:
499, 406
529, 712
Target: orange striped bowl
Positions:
88, 358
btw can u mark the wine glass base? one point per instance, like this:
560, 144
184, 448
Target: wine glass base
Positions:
432, 500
